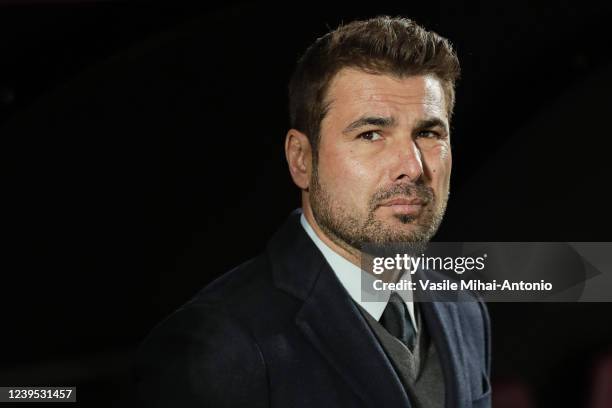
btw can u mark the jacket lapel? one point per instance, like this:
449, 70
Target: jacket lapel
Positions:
444, 328
330, 320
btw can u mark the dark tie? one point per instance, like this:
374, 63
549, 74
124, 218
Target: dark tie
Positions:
397, 321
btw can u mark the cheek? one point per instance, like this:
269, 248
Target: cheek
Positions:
439, 162
345, 175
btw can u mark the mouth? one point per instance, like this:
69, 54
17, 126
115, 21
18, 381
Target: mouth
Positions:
409, 206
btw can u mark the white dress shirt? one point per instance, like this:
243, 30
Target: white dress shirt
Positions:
351, 276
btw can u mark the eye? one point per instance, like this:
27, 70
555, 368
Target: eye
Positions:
429, 134
370, 136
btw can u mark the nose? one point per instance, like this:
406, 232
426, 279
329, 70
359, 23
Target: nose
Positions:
407, 161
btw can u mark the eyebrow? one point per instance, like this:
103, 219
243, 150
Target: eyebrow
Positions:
385, 122
431, 123
380, 121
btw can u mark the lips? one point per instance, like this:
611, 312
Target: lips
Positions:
404, 206
403, 201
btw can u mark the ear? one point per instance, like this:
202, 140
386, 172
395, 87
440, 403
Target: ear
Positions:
299, 157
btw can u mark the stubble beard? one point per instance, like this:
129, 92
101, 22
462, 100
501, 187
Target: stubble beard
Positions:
353, 232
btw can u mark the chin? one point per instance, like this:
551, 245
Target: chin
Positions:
404, 230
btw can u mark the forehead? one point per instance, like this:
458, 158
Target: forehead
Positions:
353, 92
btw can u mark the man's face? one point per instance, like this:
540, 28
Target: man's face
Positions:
384, 159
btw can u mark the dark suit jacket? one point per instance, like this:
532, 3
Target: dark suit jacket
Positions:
281, 331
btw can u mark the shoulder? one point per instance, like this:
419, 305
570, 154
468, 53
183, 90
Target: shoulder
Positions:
249, 294
204, 354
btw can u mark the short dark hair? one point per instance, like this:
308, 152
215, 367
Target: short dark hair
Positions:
381, 45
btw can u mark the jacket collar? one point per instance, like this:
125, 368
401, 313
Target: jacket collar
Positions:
295, 259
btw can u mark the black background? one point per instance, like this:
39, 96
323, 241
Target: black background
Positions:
142, 145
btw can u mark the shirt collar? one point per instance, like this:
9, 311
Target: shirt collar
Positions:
350, 276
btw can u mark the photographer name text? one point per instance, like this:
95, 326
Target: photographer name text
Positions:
471, 285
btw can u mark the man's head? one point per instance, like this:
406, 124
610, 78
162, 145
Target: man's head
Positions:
369, 144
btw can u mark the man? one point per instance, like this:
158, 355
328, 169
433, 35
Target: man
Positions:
369, 147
